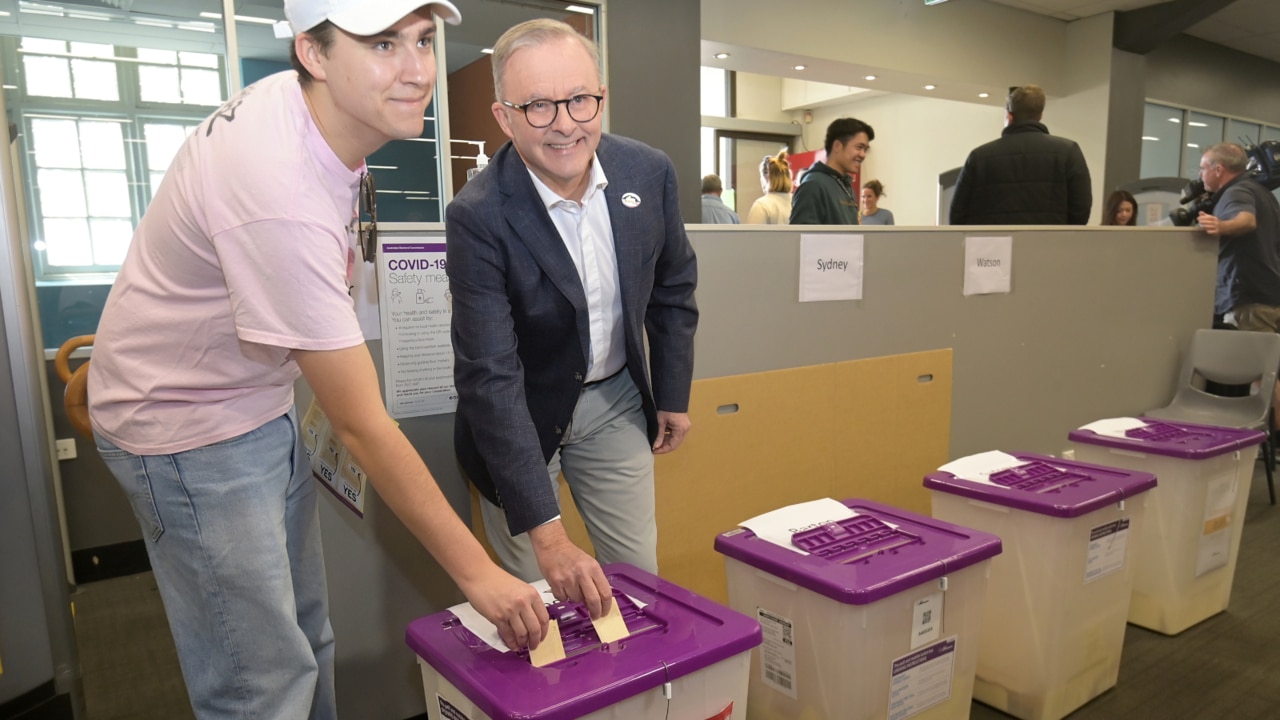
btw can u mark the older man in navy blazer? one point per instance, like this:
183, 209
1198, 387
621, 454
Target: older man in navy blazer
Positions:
562, 253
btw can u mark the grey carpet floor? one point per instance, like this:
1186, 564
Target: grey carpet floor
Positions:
1226, 667
129, 664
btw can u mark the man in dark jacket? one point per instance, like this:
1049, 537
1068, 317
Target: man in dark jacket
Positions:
1027, 177
825, 195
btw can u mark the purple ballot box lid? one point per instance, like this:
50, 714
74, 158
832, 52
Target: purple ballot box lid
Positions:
879, 552
1177, 439
1049, 486
675, 633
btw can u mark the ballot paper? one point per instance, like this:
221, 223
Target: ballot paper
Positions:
611, 627
980, 467
1114, 427
550, 649
487, 632
779, 525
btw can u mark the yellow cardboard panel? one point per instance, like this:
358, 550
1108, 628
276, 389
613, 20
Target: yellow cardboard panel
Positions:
869, 429
895, 419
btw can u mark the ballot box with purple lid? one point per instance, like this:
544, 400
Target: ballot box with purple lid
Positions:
1055, 613
1187, 561
685, 658
869, 612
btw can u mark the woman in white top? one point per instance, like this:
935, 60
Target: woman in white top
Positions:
774, 208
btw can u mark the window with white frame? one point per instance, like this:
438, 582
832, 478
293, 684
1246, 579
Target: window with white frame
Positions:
101, 124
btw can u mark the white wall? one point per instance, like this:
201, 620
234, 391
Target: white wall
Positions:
917, 139
922, 137
759, 97
1083, 113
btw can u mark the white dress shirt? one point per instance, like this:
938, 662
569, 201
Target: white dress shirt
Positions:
588, 236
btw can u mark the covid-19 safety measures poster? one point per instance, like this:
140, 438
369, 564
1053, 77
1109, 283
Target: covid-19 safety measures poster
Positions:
416, 308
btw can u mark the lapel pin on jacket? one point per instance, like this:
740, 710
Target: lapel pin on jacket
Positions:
631, 200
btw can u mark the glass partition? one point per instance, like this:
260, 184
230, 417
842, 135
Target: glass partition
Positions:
1202, 132
1243, 132
1161, 137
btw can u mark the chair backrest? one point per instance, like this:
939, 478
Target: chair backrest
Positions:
1233, 357
75, 398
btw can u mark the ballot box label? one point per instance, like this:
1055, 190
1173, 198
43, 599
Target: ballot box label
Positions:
778, 652
1107, 546
921, 679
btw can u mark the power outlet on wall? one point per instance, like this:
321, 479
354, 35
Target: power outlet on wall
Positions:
66, 448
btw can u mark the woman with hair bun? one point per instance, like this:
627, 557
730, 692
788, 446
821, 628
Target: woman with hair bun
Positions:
872, 213
774, 207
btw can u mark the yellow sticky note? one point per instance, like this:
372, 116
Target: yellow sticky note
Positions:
549, 650
611, 626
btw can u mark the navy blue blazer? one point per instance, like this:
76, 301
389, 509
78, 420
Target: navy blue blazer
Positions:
520, 333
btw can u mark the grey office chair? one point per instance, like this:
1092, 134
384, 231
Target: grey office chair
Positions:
1230, 357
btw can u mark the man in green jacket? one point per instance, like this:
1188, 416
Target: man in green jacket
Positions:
825, 195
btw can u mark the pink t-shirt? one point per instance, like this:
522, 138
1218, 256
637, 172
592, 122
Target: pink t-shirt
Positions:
242, 256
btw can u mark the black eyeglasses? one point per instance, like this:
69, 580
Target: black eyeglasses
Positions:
541, 113
367, 230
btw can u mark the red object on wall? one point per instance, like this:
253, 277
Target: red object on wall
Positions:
800, 162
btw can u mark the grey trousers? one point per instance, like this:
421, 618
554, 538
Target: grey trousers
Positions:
608, 464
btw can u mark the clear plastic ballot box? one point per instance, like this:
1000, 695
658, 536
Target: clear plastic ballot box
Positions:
1055, 613
1187, 558
868, 611
685, 659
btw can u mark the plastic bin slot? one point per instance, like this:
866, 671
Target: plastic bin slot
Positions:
1162, 432
852, 539
1037, 477
579, 635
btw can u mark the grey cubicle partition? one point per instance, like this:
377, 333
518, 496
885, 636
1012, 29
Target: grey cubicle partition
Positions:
1094, 327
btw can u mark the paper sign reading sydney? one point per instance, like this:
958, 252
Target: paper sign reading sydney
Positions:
830, 267
988, 265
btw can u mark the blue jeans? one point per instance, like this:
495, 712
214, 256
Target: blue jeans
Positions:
233, 533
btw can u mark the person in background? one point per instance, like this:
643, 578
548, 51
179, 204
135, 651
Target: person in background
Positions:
714, 211
825, 195
1246, 221
872, 213
235, 283
774, 207
1121, 209
573, 319
1027, 176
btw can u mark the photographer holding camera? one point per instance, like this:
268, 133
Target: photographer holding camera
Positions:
1246, 221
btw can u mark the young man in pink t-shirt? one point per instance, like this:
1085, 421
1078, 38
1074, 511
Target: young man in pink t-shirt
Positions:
236, 283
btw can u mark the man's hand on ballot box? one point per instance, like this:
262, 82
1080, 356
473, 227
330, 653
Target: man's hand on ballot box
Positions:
571, 573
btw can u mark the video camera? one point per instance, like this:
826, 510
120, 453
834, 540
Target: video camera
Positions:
1194, 200
1263, 166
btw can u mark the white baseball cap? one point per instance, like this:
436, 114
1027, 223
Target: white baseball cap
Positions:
361, 17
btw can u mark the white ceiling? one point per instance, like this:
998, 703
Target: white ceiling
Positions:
1250, 26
